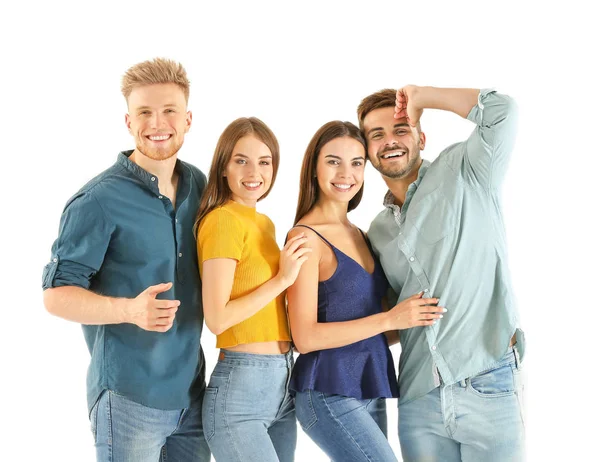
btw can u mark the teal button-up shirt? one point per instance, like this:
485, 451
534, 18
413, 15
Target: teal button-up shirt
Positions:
118, 236
448, 240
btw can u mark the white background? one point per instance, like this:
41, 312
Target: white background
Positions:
296, 66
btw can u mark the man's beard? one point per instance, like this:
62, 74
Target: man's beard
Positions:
160, 154
396, 172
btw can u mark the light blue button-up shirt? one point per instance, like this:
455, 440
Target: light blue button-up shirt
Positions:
448, 240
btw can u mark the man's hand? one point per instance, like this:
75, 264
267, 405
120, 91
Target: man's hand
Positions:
148, 313
407, 106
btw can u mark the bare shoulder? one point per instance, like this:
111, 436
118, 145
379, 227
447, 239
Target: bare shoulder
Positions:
308, 232
317, 244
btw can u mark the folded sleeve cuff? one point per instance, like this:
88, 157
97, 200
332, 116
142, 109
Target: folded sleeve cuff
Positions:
59, 273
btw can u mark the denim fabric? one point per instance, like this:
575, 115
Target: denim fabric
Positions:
474, 420
125, 431
346, 429
248, 414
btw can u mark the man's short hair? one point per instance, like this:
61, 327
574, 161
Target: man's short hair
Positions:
157, 70
382, 98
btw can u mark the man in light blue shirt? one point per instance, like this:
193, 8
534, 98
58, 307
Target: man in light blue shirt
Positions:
442, 234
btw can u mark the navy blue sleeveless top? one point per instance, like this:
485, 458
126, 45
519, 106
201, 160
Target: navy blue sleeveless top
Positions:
364, 369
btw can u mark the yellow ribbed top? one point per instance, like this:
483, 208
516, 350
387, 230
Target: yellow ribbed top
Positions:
240, 232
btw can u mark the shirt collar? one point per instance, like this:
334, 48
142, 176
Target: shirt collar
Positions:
389, 198
147, 178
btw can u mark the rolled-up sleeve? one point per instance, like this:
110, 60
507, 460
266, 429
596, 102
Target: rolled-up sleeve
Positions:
83, 240
489, 147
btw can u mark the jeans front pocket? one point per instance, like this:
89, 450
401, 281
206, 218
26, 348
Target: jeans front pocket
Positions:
208, 412
494, 383
519, 391
94, 420
94, 416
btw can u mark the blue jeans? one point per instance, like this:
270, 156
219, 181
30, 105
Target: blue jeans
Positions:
477, 419
248, 414
346, 429
125, 431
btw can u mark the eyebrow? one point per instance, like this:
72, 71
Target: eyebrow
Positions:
339, 158
148, 107
239, 154
381, 128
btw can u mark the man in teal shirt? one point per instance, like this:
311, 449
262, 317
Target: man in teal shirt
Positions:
442, 234
124, 265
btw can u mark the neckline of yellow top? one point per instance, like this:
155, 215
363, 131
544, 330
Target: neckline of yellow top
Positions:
243, 209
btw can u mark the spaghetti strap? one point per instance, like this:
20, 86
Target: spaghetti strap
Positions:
369, 246
364, 236
367, 241
318, 234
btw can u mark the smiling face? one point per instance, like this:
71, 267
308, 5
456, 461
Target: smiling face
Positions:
394, 146
340, 169
158, 119
249, 172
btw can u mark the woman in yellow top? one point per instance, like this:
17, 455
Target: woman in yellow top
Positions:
247, 414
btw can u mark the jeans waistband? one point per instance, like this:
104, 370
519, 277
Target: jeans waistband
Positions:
510, 357
238, 358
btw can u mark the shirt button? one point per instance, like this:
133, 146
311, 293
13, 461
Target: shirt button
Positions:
55, 260
426, 290
180, 254
176, 220
433, 347
153, 179
412, 258
160, 197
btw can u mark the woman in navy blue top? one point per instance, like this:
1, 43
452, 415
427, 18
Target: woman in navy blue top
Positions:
336, 308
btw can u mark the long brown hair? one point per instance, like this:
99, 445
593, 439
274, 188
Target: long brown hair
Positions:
217, 191
309, 187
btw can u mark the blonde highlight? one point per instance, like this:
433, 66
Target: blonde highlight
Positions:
155, 71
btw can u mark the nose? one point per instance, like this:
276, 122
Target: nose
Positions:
344, 171
390, 139
252, 170
157, 120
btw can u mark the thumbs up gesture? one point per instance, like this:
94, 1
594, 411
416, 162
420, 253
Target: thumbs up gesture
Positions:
149, 313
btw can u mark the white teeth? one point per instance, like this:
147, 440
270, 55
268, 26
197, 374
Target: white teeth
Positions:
251, 185
159, 138
342, 186
393, 154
